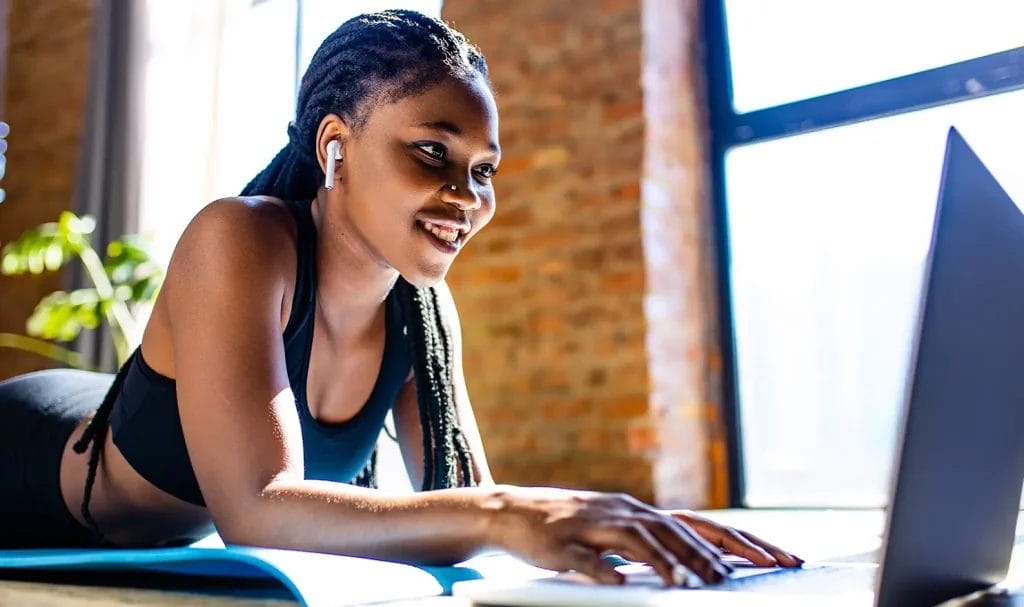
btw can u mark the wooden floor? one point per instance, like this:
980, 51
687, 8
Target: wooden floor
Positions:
22, 593
40, 594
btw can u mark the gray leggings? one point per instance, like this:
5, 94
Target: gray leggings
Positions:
38, 411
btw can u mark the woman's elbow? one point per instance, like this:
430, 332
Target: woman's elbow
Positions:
244, 522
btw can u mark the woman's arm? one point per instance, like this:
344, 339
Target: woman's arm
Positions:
406, 408
226, 289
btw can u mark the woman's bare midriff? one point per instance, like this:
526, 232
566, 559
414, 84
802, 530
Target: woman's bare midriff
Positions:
129, 510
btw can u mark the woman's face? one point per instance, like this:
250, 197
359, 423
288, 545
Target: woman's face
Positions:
398, 176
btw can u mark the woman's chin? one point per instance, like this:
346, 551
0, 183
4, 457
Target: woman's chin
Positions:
426, 275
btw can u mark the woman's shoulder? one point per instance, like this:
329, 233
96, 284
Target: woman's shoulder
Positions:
259, 217
234, 250
249, 224
238, 241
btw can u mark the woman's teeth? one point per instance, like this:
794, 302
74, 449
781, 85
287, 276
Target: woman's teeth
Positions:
446, 234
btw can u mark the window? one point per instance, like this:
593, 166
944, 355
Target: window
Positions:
786, 50
829, 121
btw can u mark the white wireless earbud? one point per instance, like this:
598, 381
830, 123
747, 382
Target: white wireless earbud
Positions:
333, 154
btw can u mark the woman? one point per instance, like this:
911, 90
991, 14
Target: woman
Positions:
291, 320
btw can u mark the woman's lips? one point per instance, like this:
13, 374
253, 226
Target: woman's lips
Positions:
445, 246
443, 232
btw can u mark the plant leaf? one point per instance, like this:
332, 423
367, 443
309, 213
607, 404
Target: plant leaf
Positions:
129, 264
61, 316
45, 247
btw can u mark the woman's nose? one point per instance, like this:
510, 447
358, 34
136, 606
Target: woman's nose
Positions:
461, 195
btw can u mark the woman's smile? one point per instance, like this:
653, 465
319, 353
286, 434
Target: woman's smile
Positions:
445, 239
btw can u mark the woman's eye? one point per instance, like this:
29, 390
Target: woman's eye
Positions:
439, 153
487, 170
433, 150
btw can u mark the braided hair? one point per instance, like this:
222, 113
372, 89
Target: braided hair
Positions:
371, 59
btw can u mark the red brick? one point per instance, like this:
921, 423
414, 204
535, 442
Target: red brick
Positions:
492, 275
506, 220
622, 110
628, 192
641, 438
622, 282
626, 408
547, 239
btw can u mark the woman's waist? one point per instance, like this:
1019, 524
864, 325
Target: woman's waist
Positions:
128, 509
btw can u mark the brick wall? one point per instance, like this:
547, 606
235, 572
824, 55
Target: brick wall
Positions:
570, 381
45, 90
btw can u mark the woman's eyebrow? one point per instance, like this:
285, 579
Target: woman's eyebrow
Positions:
451, 127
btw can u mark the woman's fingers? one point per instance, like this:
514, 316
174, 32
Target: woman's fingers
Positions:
662, 547
701, 557
696, 553
728, 539
784, 558
698, 539
589, 562
741, 543
635, 538
572, 530
735, 543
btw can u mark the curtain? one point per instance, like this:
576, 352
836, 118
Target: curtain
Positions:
107, 174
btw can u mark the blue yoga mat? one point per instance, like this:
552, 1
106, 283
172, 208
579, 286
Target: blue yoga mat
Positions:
315, 579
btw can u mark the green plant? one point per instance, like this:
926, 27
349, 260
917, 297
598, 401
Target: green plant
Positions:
125, 284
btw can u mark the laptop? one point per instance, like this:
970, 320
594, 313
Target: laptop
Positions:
956, 487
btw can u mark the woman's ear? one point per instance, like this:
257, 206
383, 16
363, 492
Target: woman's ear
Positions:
333, 157
331, 137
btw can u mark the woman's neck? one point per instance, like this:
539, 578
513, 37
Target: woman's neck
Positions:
351, 285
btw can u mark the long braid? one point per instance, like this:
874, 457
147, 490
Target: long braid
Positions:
371, 59
444, 413
430, 341
459, 449
95, 433
419, 332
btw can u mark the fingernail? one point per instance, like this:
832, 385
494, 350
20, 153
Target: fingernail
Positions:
679, 575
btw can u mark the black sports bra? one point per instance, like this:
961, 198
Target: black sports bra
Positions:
147, 429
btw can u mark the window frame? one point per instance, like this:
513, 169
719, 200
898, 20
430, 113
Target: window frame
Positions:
993, 74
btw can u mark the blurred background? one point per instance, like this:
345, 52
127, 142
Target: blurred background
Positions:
701, 283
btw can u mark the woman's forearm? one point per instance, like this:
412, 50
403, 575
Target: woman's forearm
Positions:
436, 527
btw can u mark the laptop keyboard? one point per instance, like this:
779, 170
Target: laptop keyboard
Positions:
810, 579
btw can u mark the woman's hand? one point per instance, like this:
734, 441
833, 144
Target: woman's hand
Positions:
562, 529
740, 543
